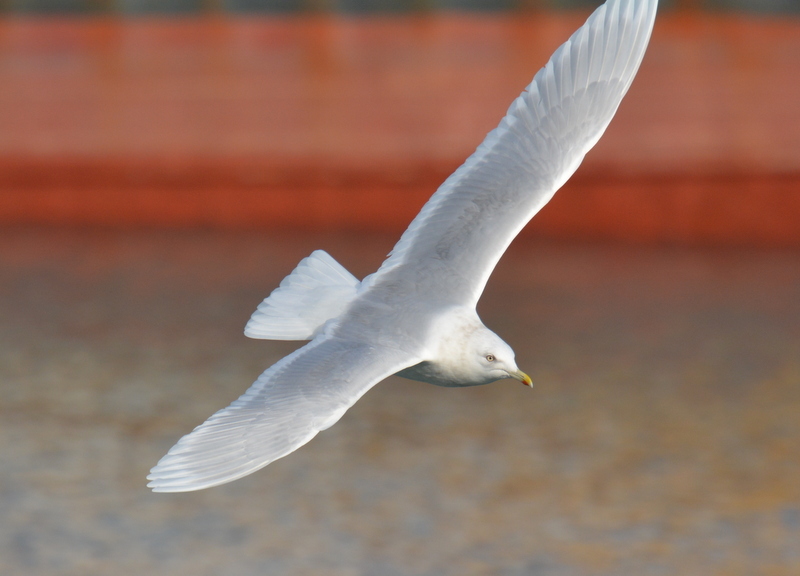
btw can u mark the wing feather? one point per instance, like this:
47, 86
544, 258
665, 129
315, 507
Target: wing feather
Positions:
305, 392
465, 227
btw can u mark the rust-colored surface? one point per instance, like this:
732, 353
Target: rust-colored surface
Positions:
352, 123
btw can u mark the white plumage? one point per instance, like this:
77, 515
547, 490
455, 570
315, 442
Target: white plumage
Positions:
318, 289
416, 315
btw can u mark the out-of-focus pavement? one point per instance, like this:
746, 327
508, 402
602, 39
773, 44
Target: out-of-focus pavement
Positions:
662, 437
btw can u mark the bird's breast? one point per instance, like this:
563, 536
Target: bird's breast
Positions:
434, 373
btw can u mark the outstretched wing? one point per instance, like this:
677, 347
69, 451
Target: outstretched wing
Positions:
305, 392
463, 230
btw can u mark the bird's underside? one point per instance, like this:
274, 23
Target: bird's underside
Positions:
416, 314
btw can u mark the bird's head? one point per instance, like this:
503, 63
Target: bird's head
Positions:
489, 358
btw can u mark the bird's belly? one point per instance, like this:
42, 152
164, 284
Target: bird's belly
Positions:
433, 374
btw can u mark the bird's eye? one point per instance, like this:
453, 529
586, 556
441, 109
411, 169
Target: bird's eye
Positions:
490, 357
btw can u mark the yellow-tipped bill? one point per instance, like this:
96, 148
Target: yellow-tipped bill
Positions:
522, 377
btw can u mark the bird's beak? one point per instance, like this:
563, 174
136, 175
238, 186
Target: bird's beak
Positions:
522, 377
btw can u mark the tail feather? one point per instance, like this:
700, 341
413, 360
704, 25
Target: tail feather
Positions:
318, 289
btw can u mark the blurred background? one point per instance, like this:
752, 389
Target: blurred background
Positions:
163, 165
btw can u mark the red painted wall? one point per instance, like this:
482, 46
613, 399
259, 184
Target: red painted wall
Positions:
335, 123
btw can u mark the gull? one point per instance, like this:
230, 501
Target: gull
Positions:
415, 316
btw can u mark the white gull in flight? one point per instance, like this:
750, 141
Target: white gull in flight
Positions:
415, 317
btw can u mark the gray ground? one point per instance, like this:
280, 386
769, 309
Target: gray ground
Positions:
662, 437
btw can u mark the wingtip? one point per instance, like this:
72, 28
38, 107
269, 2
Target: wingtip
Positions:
162, 481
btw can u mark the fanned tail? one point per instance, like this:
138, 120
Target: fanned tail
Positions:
317, 290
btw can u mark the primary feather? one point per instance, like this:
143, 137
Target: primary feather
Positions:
469, 222
305, 392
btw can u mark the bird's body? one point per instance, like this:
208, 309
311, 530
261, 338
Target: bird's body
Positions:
461, 351
415, 317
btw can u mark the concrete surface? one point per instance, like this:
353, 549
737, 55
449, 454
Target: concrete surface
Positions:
662, 436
